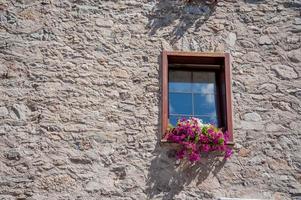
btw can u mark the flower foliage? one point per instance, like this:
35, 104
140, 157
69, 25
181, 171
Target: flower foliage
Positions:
195, 137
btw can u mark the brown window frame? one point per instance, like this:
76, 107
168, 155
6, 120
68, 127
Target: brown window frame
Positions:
201, 61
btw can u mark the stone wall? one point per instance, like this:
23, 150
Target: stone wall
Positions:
80, 98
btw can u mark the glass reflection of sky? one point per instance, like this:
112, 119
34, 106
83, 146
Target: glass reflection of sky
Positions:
180, 103
204, 104
192, 94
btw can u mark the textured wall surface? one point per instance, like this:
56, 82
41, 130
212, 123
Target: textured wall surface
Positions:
80, 98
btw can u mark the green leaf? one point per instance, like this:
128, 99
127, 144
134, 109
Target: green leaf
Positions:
197, 138
204, 130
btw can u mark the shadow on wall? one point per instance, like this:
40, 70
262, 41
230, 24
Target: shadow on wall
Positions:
166, 178
180, 15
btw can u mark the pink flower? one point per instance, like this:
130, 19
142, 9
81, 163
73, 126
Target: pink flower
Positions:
194, 156
226, 136
228, 153
210, 131
204, 139
206, 148
189, 145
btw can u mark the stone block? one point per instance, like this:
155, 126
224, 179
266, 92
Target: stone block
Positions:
284, 71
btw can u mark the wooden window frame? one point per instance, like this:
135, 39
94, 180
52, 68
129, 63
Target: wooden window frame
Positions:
197, 60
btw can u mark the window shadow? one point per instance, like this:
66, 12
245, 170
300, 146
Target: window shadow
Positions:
167, 178
181, 15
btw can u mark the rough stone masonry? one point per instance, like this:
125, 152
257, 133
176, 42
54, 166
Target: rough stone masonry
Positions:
80, 98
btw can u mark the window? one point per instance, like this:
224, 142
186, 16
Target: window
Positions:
197, 85
192, 93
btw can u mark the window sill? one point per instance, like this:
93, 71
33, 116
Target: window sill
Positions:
164, 142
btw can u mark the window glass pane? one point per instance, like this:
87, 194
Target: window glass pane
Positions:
180, 103
204, 82
205, 104
180, 81
192, 93
203, 88
173, 120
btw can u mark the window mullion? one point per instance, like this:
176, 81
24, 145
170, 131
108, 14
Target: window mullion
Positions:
192, 97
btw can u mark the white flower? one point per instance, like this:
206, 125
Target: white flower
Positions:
194, 120
199, 121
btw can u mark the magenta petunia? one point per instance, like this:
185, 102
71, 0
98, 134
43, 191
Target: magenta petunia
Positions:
228, 153
193, 157
206, 148
195, 137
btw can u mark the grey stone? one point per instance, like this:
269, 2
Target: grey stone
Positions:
226, 198
231, 39
3, 111
166, 45
298, 94
295, 125
253, 57
293, 39
251, 125
93, 187
19, 111
265, 40
271, 30
246, 44
296, 29
106, 150
267, 87
80, 160
284, 71
295, 56
13, 154
104, 184
272, 127
102, 22
120, 73
120, 172
253, 116
297, 21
